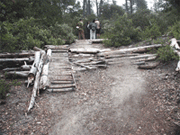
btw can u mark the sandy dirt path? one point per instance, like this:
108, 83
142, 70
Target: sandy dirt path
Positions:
107, 101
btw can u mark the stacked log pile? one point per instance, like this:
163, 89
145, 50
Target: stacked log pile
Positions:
137, 55
16, 64
87, 58
92, 58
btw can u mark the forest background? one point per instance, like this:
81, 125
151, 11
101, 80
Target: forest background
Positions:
28, 23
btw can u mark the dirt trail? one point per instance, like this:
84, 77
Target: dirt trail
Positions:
106, 103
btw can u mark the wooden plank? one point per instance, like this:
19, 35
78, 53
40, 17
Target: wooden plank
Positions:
57, 46
59, 51
61, 82
61, 90
60, 78
61, 86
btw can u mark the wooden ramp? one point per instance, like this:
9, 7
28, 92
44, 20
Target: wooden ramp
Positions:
60, 75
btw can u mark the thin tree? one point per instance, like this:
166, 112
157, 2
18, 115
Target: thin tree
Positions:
127, 9
84, 8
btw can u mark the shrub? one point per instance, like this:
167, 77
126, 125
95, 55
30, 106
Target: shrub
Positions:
123, 33
4, 88
63, 32
152, 31
175, 30
166, 54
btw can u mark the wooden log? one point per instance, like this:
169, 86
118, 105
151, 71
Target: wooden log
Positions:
52, 47
84, 50
15, 60
44, 82
23, 74
26, 67
80, 69
36, 83
143, 56
61, 86
61, 82
147, 59
174, 43
119, 56
84, 60
149, 65
60, 78
34, 67
17, 55
61, 90
60, 68
37, 49
123, 51
82, 65
93, 41
178, 64
11, 69
59, 51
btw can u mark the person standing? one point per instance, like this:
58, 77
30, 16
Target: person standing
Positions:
93, 27
80, 29
98, 28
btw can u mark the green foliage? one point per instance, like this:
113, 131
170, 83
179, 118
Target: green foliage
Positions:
152, 31
161, 41
15, 83
111, 11
27, 33
123, 33
4, 88
141, 18
63, 33
166, 54
175, 30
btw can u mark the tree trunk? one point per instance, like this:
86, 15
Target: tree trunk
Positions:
33, 70
84, 8
127, 9
89, 7
44, 76
97, 8
36, 83
131, 6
